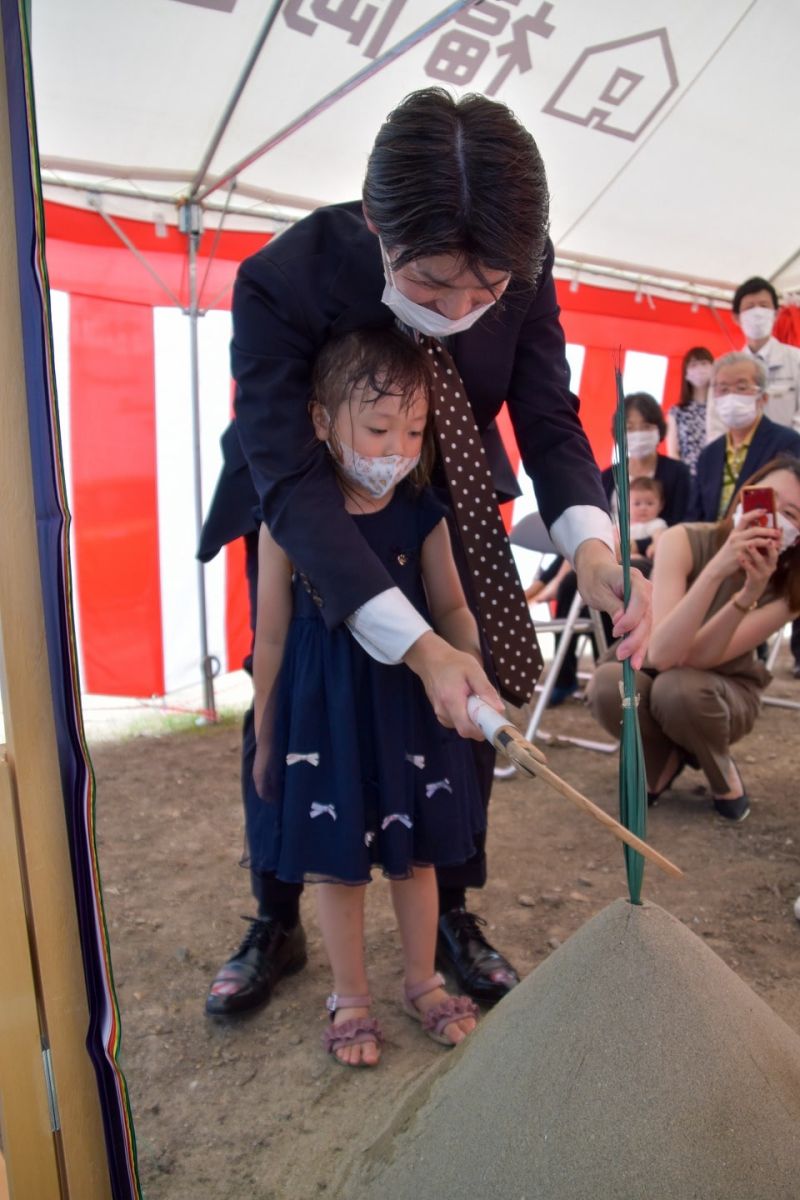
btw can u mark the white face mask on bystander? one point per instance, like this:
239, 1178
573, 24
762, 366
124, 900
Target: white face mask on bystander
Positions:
698, 374
736, 410
757, 322
789, 532
642, 442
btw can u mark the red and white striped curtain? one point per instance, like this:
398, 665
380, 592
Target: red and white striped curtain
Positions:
122, 363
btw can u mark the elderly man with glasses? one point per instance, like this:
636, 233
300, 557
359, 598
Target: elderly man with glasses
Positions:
738, 394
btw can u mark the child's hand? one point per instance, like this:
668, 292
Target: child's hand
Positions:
450, 677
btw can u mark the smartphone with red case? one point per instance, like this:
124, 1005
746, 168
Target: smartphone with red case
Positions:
760, 497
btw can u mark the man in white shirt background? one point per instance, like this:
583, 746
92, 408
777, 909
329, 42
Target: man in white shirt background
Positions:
755, 307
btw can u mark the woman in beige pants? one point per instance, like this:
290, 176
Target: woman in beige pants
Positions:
719, 590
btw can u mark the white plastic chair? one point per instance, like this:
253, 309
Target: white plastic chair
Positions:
772, 658
531, 534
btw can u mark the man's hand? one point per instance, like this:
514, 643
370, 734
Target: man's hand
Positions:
600, 585
450, 677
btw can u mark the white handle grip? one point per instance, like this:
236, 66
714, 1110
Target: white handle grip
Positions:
488, 719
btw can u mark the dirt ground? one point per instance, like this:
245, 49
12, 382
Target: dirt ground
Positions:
251, 1108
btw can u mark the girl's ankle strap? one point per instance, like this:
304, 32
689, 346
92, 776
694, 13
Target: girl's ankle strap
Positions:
421, 989
335, 1001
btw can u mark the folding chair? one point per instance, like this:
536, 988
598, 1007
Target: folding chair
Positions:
531, 534
772, 658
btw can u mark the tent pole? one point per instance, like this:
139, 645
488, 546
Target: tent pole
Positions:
190, 223
236, 94
137, 254
349, 85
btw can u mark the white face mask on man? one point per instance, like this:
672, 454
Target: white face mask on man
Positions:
424, 320
376, 476
736, 410
757, 322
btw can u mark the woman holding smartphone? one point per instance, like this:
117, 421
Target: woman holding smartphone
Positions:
719, 590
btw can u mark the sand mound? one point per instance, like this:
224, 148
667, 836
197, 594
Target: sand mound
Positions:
632, 1065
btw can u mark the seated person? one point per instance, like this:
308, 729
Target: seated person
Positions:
646, 427
719, 589
647, 525
739, 397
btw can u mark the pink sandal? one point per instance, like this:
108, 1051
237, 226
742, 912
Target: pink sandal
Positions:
436, 1019
353, 1032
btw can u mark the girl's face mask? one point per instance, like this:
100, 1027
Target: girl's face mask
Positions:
375, 476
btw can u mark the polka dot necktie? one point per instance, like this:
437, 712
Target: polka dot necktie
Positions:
503, 609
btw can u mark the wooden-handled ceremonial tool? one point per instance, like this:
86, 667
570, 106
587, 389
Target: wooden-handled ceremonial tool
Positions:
498, 730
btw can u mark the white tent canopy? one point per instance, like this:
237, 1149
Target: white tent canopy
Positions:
665, 125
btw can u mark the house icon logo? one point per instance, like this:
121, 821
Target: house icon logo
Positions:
618, 87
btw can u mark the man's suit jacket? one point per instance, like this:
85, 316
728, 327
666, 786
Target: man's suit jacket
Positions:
324, 276
769, 440
676, 481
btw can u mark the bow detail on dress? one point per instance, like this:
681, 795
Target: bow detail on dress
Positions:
403, 818
432, 788
318, 810
312, 758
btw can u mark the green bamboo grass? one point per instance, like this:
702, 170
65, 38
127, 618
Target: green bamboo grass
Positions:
632, 781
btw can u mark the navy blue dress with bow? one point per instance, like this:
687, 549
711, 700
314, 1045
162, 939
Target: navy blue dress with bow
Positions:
360, 772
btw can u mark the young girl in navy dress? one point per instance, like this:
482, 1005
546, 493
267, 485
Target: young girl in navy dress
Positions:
353, 768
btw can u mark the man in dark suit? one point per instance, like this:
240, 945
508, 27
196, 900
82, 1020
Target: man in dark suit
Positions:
739, 394
451, 241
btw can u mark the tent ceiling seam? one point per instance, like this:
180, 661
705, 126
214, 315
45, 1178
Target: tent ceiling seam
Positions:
693, 288
130, 174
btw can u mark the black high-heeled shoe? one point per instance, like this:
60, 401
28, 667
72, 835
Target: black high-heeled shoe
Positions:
654, 797
737, 809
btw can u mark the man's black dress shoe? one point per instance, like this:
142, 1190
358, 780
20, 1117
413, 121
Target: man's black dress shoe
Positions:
480, 970
267, 953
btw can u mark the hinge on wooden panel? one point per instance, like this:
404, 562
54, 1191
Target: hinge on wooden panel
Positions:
50, 1084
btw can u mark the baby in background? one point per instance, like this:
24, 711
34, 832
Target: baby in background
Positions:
646, 502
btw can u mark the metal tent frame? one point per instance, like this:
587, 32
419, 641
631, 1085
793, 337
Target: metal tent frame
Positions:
190, 210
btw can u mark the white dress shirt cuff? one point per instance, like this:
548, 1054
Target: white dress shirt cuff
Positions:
387, 626
578, 524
